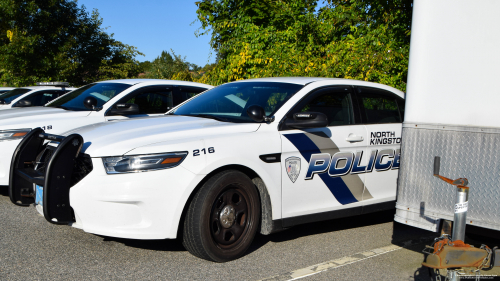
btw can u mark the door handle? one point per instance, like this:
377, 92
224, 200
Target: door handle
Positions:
354, 138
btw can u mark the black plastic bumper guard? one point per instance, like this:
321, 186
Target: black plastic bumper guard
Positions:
56, 180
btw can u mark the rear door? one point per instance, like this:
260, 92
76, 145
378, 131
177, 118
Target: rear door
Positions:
323, 167
382, 113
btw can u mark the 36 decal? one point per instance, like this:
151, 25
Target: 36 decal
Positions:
343, 163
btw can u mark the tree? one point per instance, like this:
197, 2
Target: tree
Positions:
172, 66
51, 40
357, 39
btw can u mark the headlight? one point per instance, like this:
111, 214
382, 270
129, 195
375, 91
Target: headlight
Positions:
142, 163
13, 134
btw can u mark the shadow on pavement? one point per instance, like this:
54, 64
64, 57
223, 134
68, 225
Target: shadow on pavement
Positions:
323, 227
261, 240
156, 245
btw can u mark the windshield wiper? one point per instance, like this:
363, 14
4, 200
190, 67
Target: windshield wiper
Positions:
207, 116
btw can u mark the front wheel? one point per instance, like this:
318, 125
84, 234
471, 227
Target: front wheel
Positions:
223, 217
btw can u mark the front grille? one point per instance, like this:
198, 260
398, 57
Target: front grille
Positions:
83, 164
42, 160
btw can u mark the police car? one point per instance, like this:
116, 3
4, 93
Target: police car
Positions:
257, 155
38, 95
5, 89
93, 103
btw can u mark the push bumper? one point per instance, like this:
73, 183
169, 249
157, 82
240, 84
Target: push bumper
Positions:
55, 169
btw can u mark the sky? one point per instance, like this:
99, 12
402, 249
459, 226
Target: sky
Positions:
154, 26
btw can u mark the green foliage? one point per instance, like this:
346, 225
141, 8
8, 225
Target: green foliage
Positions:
357, 39
51, 40
174, 67
169, 66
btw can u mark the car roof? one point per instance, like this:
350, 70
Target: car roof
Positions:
153, 81
44, 87
309, 80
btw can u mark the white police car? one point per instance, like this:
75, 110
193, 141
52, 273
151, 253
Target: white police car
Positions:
93, 103
255, 155
38, 95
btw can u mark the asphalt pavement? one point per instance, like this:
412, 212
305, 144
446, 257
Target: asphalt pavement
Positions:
369, 247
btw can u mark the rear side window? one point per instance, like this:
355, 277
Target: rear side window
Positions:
153, 101
379, 106
43, 97
183, 93
334, 102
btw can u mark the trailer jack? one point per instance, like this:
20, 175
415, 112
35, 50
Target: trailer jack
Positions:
452, 253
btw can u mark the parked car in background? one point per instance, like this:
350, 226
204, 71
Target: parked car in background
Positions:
38, 95
253, 155
5, 89
94, 103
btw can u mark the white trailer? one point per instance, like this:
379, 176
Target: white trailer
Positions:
452, 111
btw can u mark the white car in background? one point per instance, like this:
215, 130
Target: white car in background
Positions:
5, 89
38, 95
259, 154
94, 103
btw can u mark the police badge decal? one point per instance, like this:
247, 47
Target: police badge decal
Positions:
292, 166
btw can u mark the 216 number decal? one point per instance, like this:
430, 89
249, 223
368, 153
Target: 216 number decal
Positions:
196, 152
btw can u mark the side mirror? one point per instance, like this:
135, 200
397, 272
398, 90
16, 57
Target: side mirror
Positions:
90, 103
256, 113
22, 103
124, 109
305, 120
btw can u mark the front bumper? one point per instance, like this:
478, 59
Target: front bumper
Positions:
7, 149
144, 205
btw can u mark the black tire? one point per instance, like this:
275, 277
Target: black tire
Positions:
222, 218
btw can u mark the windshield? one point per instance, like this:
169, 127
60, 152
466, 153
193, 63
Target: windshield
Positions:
229, 102
8, 97
102, 92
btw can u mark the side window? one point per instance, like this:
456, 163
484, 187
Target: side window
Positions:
43, 97
153, 101
378, 106
334, 102
183, 93
401, 105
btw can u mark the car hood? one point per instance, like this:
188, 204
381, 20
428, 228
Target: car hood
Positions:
33, 117
121, 136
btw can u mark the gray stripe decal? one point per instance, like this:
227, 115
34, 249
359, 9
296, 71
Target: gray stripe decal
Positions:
353, 182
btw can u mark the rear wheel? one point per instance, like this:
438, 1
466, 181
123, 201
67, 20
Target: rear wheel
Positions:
223, 217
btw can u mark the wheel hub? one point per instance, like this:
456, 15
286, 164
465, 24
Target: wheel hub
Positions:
227, 216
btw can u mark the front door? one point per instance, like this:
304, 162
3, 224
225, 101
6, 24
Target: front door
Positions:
323, 168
